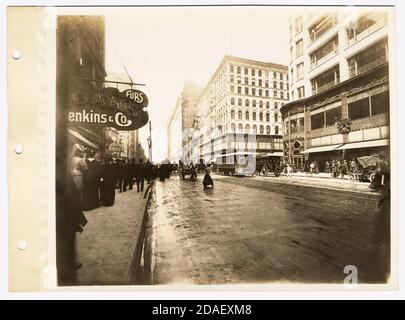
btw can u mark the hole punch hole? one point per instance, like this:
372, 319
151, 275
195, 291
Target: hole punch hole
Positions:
16, 54
22, 245
19, 149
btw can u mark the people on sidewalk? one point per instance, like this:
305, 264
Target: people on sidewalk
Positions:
77, 169
140, 176
91, 184
70, 218
289, 170
327, 167
109, 178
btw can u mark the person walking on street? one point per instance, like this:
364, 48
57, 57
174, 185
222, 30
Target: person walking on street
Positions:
207, 181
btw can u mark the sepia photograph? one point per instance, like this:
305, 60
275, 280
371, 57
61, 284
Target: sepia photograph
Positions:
223, 145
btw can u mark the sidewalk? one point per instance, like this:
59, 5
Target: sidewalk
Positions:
106, 246
321, 180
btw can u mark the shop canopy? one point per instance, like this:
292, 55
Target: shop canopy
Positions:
271, 154
82, 139
322, 149
365, 144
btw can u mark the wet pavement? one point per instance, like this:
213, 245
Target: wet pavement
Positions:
250, 230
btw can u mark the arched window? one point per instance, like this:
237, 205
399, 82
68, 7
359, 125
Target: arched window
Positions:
231, 68
239, 102
232, 127
275, 117
246, 70
261, 129
238, 70
232, 101
254, 128
267, 104
240, 114
268, 117
253, 72
247, 128
275, 105
254, 115
254, 103
240, 128
276, 130
247, 115
260, 73
232, 114
261, 116
247, 102
268, 129
261, 104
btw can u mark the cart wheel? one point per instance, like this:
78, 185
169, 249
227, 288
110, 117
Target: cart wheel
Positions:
277, 173
352, 177
371, 176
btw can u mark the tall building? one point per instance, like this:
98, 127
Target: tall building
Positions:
243, 96
339, 85
181, 123
81, 58
174, 134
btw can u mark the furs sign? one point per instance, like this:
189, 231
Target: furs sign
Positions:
109, 108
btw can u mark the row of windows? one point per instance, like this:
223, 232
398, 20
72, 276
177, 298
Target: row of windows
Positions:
247, 129
356, 28
260, 83
247, 116
362, 108
259, 92
255, 104
255, 72
361, 62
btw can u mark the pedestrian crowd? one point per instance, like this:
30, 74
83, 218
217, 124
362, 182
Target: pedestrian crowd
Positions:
89, 184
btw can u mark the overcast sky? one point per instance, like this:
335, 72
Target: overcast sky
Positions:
161, 47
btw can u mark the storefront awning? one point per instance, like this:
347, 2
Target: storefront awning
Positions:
322, 149
274, 154
82, 139
365, 144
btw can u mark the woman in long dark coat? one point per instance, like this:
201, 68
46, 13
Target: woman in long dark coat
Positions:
91, 186
109, 179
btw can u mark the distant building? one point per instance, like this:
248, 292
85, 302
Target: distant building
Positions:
338, 71
181, 123
243, 96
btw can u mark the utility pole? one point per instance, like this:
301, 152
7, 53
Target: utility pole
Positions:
150, 141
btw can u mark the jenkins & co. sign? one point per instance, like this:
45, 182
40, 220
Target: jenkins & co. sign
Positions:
110, 108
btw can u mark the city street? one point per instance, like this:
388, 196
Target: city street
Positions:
253, 230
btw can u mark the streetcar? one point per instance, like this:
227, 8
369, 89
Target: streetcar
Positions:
236, 163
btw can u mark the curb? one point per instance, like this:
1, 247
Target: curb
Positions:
135, 273
297, 183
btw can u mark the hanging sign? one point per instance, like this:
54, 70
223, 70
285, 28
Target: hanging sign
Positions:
109, 107
138, 96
